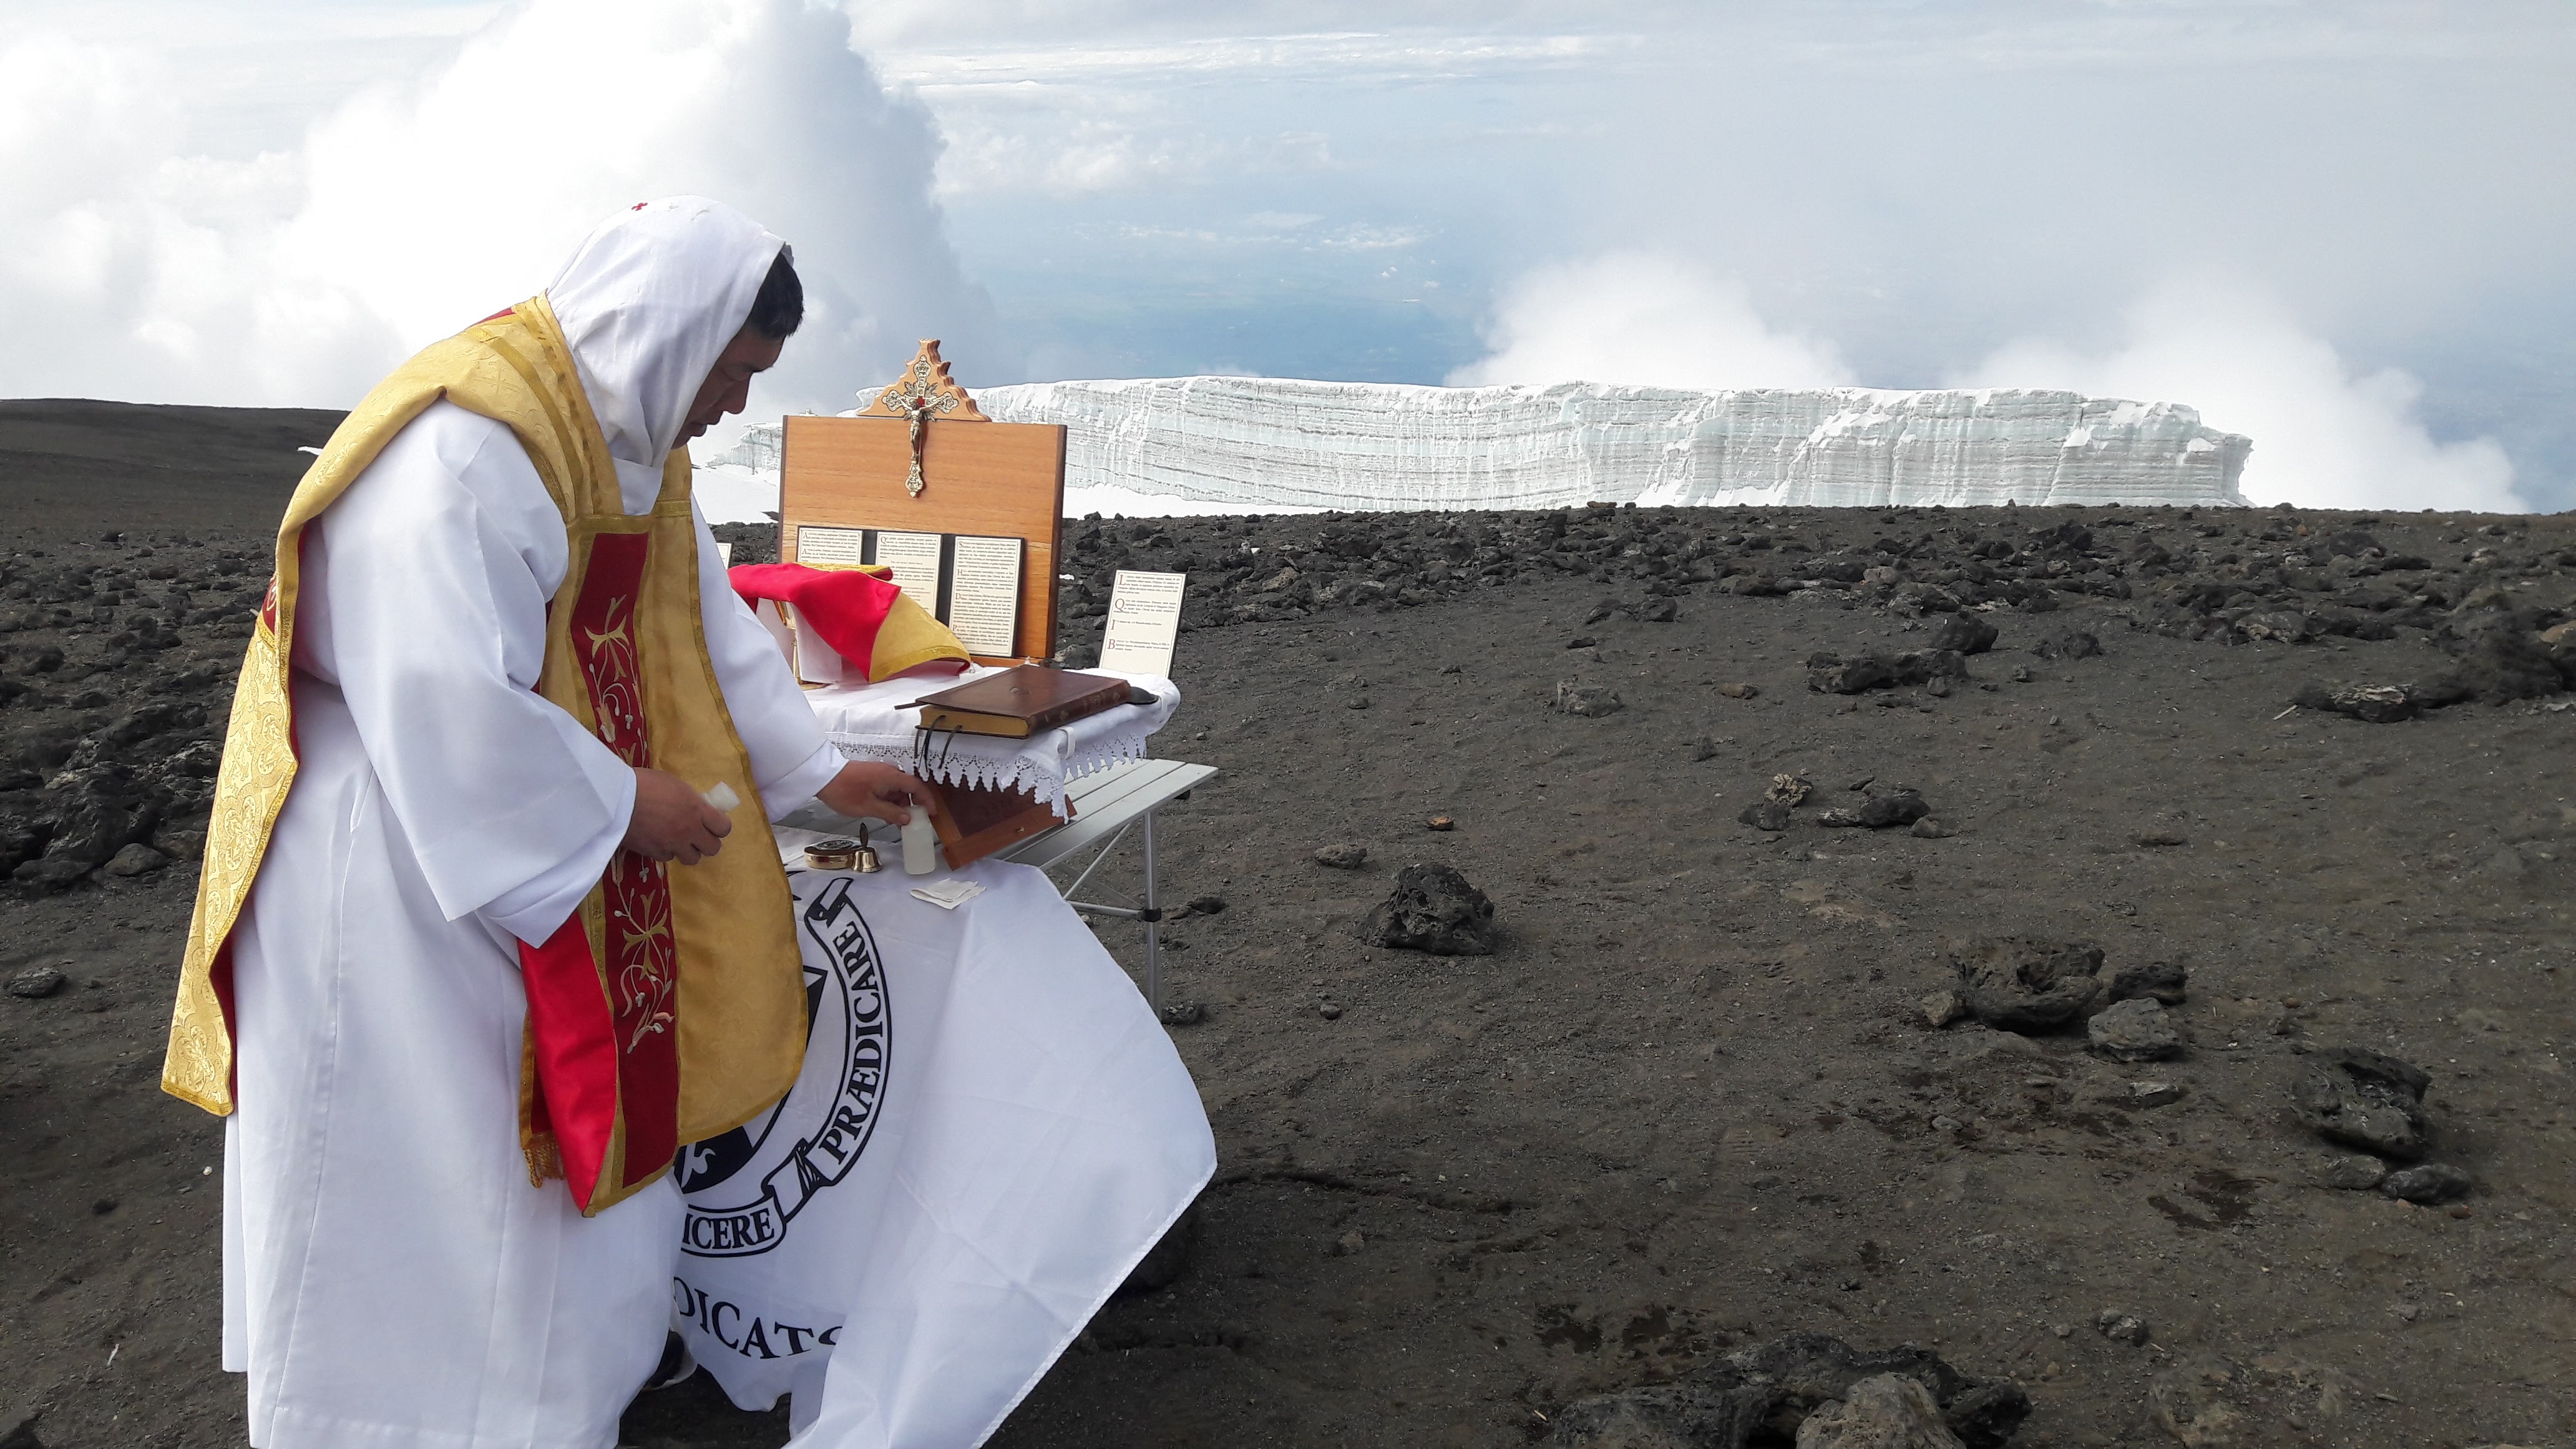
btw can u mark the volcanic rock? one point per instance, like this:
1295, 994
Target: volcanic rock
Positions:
1765, 815
1591, 701
136, 859
2163, 981
2151, 1094
2121, 1327
2365, 1099
1433, 909
2192, 1404
1886, 1411
2427, 1183
2067, 644
36, 982
1896, 807
2369, 703
104, 809
1965, 633
2353, 1174
1913, 598
2135, 1030
2020, 984
2286, 626
2505, 665
22, 839
1833, 674
1343, 856
1765, 1394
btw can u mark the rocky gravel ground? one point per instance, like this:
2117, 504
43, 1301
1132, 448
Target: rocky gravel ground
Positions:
1848, 972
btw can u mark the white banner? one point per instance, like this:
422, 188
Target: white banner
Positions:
990, 1132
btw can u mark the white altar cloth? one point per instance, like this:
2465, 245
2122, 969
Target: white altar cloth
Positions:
990, 1132
869, 722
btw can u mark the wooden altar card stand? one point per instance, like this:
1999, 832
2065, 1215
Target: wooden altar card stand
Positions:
921, 459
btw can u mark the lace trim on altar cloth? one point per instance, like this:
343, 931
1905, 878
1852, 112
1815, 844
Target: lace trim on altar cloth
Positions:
1021, 770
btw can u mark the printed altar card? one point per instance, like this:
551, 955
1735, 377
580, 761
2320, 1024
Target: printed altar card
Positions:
968, 583
1144, 622
914, 557
983, 603
844, 548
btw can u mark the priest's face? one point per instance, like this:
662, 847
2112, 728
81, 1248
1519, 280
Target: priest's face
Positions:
727, 389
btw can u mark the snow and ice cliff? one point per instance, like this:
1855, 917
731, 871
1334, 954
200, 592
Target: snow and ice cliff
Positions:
1250, 444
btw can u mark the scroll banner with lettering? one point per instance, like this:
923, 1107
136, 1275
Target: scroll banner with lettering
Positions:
990, 1132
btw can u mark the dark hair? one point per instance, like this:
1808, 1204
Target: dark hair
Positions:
780, 308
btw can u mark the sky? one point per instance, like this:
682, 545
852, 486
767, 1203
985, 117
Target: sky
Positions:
2343, 228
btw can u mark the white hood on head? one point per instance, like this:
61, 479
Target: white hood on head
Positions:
649, 301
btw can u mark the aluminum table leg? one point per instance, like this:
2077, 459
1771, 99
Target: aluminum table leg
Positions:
1153, 924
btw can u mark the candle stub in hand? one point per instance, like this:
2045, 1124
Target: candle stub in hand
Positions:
722, 797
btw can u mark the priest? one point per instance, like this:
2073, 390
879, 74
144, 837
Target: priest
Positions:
491, 921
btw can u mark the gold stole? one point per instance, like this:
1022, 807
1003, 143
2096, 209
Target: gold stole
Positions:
670, 1007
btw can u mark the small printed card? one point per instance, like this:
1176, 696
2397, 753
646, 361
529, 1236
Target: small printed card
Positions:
1144, 620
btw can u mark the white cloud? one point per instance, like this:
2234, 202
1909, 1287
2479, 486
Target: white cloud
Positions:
413, 209
1642, 317
1105, 111
2324, 435
1234, 57
138, 272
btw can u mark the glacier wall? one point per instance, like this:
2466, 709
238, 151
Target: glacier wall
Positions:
1250, 444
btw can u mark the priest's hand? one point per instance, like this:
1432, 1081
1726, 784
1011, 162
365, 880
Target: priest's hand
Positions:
880, 792
672, 821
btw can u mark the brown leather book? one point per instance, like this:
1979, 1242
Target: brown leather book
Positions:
1021, 701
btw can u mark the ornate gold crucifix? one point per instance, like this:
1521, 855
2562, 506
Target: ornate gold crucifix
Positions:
923, 392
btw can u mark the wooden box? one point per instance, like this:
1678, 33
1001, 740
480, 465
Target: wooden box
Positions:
975, 821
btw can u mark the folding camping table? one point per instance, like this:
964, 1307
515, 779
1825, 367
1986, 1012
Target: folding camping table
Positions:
1107, 805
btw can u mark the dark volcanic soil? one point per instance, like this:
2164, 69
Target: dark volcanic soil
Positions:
1693, 1101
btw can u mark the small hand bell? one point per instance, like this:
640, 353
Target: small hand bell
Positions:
833, 855
865, 862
